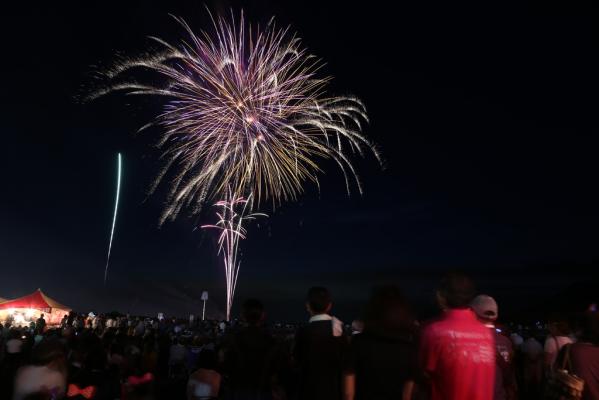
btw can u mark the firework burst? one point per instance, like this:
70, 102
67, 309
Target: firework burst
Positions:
245, 110
231, 219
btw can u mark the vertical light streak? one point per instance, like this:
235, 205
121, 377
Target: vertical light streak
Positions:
116, 207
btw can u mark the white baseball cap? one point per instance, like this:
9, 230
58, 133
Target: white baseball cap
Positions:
485, 307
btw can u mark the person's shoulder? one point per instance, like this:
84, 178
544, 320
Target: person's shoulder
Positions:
482, 329
569, 339
360, 340
432, 332
550, 344
503, 340
574, 346
301, 330
584, 349
434, 326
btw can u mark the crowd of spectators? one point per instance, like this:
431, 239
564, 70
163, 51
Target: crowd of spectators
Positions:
385, 354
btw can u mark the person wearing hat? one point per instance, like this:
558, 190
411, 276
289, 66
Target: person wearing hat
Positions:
486, 310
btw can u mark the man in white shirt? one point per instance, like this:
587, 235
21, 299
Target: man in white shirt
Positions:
320, 350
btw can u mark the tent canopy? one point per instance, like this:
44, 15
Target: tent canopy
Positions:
37, 300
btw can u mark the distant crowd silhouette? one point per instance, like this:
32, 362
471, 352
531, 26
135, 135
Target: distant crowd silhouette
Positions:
385, 354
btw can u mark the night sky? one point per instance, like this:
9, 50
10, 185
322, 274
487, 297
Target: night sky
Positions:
486, 116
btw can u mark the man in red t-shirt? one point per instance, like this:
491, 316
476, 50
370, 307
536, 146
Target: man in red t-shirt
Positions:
457, 352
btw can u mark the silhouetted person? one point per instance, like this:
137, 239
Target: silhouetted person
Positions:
384, 356
559, 336
64, 321
486, 310
248, 353
457, 352
584, 355
531, 366
71, 318
320, 350
40, 324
